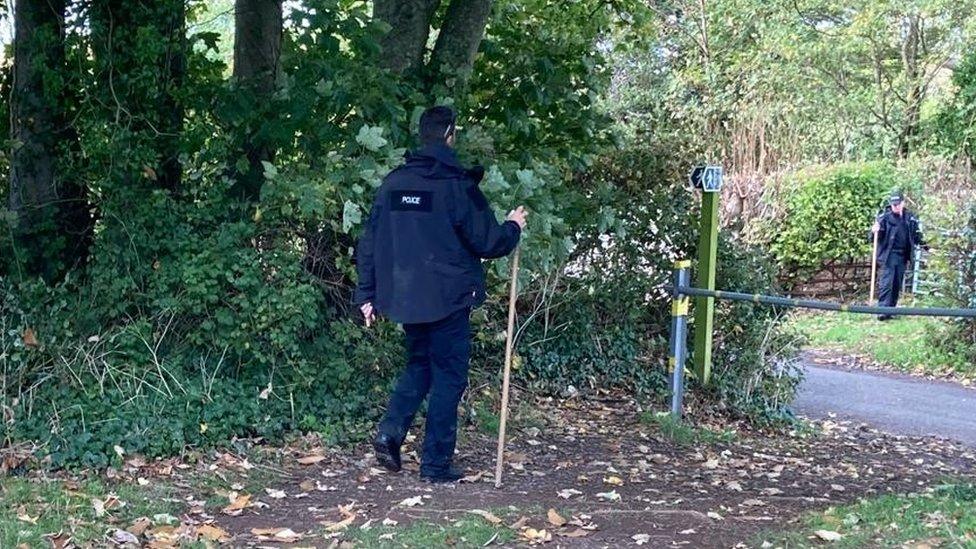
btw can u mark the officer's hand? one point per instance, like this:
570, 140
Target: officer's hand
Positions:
368, 314
518, 215
876, 227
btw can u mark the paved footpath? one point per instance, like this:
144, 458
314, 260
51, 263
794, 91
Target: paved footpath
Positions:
893, 403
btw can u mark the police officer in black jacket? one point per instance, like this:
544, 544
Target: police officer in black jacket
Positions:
419, 264
898, 233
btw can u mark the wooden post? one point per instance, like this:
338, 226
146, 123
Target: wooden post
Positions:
705, 306
509, 342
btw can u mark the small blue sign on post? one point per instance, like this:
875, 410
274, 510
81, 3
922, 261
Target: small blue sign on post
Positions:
706, 178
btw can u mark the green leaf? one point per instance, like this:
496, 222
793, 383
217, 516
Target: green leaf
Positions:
371, 137
351, 216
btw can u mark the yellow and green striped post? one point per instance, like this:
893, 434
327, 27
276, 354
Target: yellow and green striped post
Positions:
678, 352
705, 306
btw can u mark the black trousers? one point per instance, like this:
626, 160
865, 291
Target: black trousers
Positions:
438, 354
892, 280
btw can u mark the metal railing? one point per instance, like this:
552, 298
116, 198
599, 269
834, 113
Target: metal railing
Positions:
682, 291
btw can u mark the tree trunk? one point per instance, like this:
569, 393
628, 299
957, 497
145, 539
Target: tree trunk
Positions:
35, 110
913, 106
460, 36
258, 26
173, 72
405, 44
53, 227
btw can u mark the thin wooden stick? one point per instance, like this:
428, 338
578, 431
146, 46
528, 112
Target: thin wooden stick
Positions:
509, 337
874, 268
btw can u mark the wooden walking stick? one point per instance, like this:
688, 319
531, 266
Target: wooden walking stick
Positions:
509, 341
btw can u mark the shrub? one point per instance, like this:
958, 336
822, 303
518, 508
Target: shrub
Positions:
960, 337
603, 321
827, 216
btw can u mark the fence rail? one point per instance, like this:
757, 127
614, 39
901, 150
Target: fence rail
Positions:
824, 305
682, 291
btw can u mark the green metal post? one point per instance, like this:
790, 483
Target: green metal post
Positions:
705, 306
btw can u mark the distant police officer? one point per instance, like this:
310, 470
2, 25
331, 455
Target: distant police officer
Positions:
419, 264
898, 234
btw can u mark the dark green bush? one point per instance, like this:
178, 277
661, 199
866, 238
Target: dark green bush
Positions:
603, 321
827, 216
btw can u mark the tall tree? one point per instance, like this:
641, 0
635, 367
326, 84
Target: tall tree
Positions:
172, 21
406, 42
258, 26
53, 221
461, 34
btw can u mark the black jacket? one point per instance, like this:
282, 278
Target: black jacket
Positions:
419, 257
886, 235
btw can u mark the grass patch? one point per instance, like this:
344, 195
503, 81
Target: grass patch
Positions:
33, 508
942, 517
904, 343
685, 434
464, 532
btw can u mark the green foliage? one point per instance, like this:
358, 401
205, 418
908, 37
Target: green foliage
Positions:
946, 513
827, 215
955, 123
60, 507
683, 434
905, 343
959, 340
469, 531
604, 320
197, 318
754, 359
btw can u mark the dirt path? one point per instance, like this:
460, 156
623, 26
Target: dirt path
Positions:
717, 494
895, 403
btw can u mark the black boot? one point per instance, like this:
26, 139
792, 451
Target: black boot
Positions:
450, 475
387, 452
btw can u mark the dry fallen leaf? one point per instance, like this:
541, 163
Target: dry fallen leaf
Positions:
640, 539
609, 496
474, 478
412, 502
124, 537
210, 532
828, 535
238, 505
487, 515
281, 535
349, 516
614, 481
311, 460
536, 536
577, 533
569, 492
275, 494
555, 519
30, 339
24, 517
140, 526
